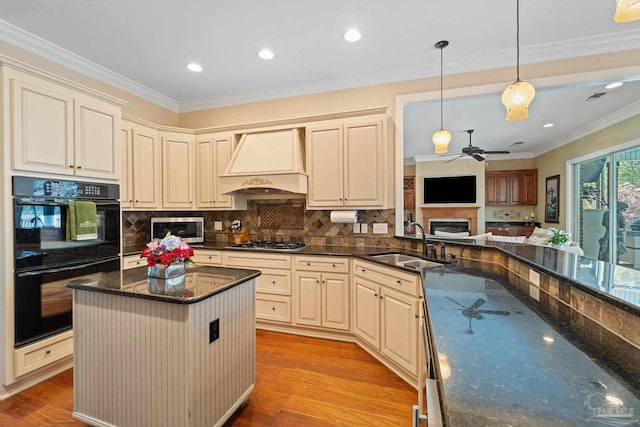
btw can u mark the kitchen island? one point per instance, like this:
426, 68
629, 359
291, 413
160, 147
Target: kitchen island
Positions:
147, 355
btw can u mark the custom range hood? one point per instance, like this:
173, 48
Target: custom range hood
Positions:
267, 162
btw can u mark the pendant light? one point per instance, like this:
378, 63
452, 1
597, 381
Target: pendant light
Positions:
517, 97
442, 137
627, 10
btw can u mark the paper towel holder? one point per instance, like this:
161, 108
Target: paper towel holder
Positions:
344, 217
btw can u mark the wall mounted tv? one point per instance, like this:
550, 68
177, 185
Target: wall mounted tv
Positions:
450, 189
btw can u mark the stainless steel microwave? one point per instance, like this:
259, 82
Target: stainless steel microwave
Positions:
190, 229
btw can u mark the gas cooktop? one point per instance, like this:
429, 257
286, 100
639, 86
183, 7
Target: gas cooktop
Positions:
270, 245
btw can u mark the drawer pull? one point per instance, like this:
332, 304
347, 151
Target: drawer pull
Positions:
333, 265
364, 271
375, 295
274, 282
398, 282
273, 308
47, 352
308, 263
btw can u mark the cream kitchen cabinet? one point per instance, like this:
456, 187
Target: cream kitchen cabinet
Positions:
347, 163
207, 257
213, 153
273, 286
386, 316
141, 156
177, 170
321, 296
56, 129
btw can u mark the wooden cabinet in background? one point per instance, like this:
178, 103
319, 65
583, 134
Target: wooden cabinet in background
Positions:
409, 192
511, 187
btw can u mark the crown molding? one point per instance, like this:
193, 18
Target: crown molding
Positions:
442, 158
32, 43
604, 122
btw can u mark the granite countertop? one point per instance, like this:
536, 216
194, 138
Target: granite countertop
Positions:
201, 282
507, 365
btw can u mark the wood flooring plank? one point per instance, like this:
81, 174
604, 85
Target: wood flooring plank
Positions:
300, 381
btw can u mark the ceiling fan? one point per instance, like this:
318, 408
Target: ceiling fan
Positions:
475, 152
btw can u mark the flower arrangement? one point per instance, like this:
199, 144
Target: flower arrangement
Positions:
169, 250
559, 237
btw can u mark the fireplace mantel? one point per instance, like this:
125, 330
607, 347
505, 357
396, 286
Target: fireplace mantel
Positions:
452, 212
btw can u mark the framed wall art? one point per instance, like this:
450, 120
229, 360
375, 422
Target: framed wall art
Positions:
552, 199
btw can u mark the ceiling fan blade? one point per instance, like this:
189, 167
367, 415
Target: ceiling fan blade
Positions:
497, 152
455, 158
478, 157
448, 155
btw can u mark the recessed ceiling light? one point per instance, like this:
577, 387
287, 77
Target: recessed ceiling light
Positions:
613, 85
194, 66
352, 35
266, 54
547, 125
548, 339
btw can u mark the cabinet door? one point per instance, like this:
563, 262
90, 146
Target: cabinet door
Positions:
204, 173
491, 189
367, 311
364, 169
399, 334
308, 299
502, 189
530, 187
325, 166
42, 125
126, 172
409, 199
177, 170
97, 140
222, 152
146, 168
335, 301
515, 189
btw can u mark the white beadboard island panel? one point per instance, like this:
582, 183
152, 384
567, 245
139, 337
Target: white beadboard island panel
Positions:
144, 362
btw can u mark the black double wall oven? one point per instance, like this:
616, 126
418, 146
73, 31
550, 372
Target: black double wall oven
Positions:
45, 256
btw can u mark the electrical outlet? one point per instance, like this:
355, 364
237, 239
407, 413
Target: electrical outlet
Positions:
356, 228
380, 228
217, 225
364, 228
214, 330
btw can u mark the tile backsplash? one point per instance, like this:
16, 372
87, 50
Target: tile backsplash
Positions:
270, 219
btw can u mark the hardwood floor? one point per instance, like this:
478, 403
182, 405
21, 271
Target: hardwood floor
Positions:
300, 382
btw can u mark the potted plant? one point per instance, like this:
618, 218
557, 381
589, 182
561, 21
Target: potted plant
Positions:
560, 238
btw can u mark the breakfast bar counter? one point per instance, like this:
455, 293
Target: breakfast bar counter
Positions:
163, 356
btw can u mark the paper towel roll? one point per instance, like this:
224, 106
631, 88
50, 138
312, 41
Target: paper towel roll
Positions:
344, 217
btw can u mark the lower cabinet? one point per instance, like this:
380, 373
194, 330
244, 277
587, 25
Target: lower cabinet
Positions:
387, 316
322, 299
42, 353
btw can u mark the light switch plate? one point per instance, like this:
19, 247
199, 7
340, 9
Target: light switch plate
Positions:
356, 228
380, 228
217, 225
364, 228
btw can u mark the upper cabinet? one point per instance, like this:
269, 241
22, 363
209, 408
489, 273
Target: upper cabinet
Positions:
58, 128
346, 163
213, 153
139, 186
512, 187
177, 170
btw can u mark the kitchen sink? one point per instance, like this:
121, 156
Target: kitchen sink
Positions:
403, 260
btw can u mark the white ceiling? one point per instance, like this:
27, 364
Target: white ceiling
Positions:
142, 46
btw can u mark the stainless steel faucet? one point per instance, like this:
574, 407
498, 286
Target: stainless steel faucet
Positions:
424, 236
443, 255
431, 251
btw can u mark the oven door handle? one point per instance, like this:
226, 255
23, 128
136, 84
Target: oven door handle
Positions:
28, 202
61, 269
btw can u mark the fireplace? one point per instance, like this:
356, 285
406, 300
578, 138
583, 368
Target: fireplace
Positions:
448, 225
466, 214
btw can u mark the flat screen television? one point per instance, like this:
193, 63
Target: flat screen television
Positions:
450, 189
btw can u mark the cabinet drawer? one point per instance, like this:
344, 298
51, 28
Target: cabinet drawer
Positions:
274, 282
323, 264
207, 257
256, 260
133, 261
391, 278
42, 353
273, 308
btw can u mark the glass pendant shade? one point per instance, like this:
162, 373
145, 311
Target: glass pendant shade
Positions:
627, 10
441, 140
516, 99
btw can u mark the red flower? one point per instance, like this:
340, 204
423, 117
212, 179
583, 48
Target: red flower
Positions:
166, 258
145, 253
152, 260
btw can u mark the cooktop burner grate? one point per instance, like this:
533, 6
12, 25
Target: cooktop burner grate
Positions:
270, 244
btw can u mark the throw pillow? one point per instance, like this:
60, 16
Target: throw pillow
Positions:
449, 234
510, 239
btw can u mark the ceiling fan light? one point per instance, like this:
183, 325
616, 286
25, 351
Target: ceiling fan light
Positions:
627, 10
516, 99
441, 141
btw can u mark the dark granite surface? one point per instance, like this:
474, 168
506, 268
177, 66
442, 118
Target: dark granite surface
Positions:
510, 366
201, 283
